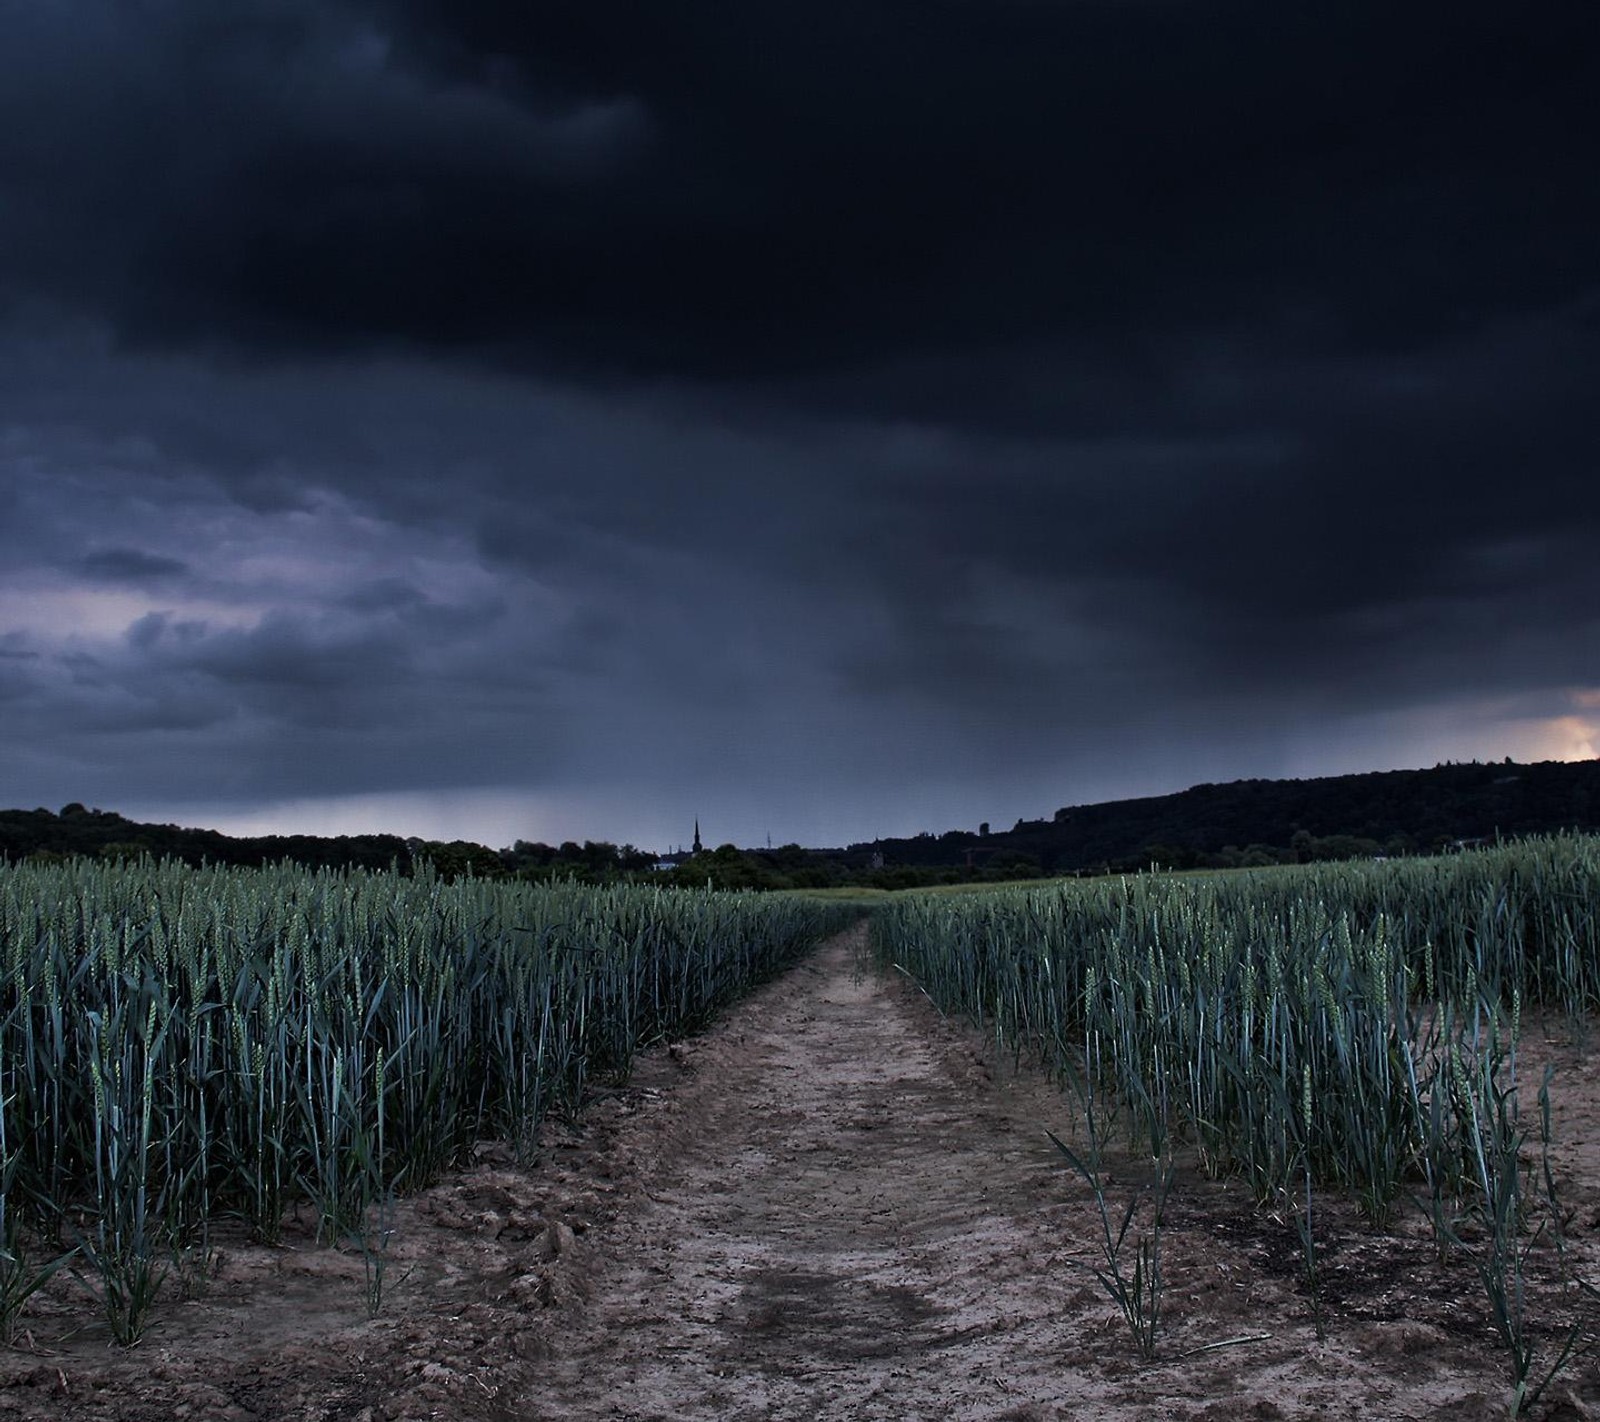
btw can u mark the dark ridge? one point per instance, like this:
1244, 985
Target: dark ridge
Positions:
1248, 822
1239, 825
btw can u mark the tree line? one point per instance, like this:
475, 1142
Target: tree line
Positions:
1248, 823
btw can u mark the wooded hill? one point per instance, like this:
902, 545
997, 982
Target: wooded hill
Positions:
1275, 821
1247, 822
80, 831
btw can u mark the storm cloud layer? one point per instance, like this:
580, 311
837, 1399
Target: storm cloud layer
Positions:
563, 420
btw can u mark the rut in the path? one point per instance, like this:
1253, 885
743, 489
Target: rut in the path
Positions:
853, 1223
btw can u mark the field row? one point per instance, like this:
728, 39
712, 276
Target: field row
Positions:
180, 1044
1352, 1027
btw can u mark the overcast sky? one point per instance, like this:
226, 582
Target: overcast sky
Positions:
517, 419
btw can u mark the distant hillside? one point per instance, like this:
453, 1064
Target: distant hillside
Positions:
78, 830
1275, 821
1244, 823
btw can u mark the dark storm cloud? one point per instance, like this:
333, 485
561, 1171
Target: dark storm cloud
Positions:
750, 406
129, 565
731, 188
844, 182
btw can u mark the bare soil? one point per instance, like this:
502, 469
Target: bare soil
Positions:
836, 1204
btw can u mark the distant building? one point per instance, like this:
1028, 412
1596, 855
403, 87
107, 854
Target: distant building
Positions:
679, 856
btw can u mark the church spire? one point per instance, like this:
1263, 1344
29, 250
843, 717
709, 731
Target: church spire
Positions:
697, 835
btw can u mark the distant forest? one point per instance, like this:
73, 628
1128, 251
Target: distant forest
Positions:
1259, 822
1242, 824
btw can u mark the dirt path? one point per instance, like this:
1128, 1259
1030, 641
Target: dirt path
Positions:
833, 1205
833, 1234
857, 1219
